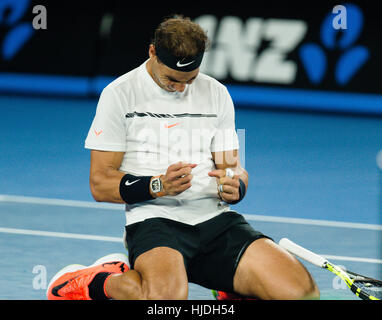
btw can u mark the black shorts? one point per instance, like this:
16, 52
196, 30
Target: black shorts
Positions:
211, 249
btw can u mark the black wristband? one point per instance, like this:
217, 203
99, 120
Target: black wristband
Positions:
242, 192
133, 189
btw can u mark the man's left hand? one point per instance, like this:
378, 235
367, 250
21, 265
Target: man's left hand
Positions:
228, 188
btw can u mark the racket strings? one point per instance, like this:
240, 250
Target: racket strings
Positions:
364, 287
363, 279
369, 287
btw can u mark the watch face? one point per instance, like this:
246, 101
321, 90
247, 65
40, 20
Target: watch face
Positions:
156, 185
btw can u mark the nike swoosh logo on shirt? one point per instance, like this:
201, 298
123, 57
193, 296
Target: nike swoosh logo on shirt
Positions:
127, 183
178, 64
168, 126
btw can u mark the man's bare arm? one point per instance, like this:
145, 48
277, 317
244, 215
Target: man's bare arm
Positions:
229, 159
105, 175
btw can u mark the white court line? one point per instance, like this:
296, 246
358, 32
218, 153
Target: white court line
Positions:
61, 202
255, 217
314, 222
115, 239
59, 234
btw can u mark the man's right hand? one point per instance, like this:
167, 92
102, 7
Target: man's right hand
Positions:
177, 178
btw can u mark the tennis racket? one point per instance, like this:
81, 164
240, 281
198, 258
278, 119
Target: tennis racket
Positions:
364, 287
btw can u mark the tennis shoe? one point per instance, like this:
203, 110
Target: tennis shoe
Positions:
72, 282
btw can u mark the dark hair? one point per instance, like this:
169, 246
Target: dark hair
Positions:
181, 37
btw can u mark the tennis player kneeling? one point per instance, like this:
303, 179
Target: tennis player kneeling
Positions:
163, 142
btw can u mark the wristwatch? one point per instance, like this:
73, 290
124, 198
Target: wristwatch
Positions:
156, 186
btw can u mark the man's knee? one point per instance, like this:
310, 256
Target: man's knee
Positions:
160, 291
302, 289
163, 274
305, 290
305, 287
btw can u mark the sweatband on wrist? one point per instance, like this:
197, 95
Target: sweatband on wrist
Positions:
242, 192
133, 189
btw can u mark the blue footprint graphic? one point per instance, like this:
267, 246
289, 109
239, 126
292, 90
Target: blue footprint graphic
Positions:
15, 39
314, 60
313, 56
16, 9
350, 62
20, 33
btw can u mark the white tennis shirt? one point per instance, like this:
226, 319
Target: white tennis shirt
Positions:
156, 128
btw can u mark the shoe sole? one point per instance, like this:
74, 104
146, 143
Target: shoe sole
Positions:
113, 257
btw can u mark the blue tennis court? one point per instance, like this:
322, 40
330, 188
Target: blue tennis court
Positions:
313, 179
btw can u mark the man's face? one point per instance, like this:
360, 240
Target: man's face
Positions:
169, 79
173, 80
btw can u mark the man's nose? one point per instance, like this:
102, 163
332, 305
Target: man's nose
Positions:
180, 87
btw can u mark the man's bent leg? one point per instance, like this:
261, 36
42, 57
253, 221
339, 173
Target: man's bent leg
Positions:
267, 271
158, 274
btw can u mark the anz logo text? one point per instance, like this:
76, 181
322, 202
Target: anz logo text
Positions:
235, 48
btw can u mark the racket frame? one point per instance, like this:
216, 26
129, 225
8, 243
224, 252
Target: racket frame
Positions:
321, 262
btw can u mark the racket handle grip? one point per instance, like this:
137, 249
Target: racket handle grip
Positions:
302, 253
